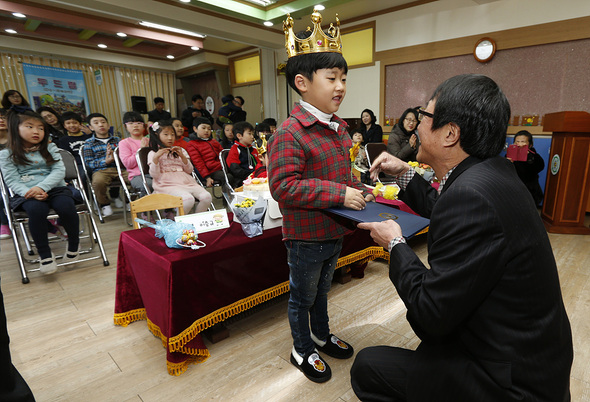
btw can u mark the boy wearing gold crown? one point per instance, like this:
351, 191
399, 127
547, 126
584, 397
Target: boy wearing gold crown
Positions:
309, 171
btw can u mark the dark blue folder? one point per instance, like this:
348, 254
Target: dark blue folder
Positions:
376, 212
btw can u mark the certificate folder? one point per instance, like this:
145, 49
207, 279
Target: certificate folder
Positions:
375, 212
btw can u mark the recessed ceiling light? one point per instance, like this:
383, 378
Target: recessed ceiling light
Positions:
171, 29
19, 15
185, 1
195, 48
319, 7
121, 34
102, 46
170, 56
11, 31
268, 23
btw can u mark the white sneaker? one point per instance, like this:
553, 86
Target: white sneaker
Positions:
47, 265
106, 210
119, 203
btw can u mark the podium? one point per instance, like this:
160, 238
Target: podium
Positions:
568, 178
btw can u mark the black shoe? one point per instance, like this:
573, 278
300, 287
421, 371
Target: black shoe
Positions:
335, 347
313, 366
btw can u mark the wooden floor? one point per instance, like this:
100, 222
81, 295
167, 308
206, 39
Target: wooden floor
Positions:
65, 345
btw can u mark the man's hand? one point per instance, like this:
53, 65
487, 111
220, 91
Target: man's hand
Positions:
354, 199
382, 232
388, 164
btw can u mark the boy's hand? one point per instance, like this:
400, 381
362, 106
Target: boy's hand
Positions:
109, 158
369, 198
354, 199
209, 182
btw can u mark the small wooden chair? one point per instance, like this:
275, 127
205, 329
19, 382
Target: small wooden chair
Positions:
153, 202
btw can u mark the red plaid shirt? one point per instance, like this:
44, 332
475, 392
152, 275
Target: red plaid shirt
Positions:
309, 170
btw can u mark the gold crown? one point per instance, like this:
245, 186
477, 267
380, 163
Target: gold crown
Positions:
317, 42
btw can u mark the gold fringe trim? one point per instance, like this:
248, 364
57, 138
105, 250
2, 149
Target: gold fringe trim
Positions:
124, 319
154, 329
176, 343
425, 230
179, 368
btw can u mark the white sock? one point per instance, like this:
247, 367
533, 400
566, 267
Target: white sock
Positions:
316, 340
297, 356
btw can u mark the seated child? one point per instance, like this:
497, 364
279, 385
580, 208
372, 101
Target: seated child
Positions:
227, 136
204, 152
98, 156
262, 130
75, 138
171, 169
128, 148
243, 159
33, 169
358, 156
528, 170
180, 140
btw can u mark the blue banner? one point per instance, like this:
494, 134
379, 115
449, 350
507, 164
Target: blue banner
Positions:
62, 89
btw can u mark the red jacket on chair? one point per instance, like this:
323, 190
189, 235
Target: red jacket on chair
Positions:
204, 154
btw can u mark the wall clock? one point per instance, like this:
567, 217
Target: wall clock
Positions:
484, 50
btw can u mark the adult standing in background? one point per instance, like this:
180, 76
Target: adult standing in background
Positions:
488, 311
403, 140
13, 98
197, 109
371, 131
158, 113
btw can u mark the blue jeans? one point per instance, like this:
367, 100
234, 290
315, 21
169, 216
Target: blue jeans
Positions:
311, 268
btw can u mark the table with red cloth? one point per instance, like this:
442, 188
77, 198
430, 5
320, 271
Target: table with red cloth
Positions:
182, 292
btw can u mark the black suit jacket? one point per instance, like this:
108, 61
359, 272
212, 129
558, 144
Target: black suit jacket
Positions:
489, 311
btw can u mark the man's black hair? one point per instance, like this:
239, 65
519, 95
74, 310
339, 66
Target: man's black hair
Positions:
241, 99
307, 64
158, 99
478, 106
195, 97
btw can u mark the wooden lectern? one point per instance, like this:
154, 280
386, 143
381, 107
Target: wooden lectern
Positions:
568, 176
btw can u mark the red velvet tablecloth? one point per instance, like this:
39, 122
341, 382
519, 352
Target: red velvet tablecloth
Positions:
182, 292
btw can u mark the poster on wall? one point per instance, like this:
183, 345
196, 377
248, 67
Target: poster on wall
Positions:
59, 88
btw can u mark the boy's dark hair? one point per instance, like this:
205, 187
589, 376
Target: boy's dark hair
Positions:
477, 105
93, 115
71, 116
197, 121
262, 127
526, 134
241, 99
195, 97
158, 99
270, 121
15, 141
240, 127
131, 117
307, 64
354, 131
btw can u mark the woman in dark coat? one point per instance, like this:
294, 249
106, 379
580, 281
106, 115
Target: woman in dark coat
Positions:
370, 130
403, 140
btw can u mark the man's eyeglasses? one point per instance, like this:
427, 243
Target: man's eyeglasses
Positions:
422, 113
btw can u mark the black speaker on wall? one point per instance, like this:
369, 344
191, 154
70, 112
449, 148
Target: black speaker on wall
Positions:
139, 104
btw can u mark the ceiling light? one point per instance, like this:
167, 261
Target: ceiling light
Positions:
19, 15
102, 46
319, 7
121, 34
10, 31
268, 23
170, 56
185, 1
195, 48
171, 29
